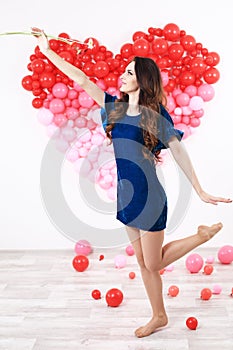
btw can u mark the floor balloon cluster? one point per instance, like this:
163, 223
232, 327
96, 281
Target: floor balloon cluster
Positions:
72, 117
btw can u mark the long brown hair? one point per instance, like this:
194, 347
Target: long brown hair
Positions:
151, 95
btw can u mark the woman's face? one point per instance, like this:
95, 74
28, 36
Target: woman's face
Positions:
129, 80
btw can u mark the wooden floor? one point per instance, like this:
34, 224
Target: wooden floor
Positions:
45, 304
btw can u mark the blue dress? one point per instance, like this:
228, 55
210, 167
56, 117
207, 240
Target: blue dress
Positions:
141, 199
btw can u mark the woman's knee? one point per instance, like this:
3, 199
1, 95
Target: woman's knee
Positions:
152, 265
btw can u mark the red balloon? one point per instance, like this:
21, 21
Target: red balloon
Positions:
141, 47
100, 69
88, 68
159, 46
38, 65
27, 83
213, 59
171, 32
111, 80
126, 50
96, 294
138, 35
37, 102
211, 75
80, 263
188, 42
175, 51
187, 78
197, 65
95, 47
208, 269
114, 297
67, 55
99, 56
47, 80
206, 294
192, 323
173, 291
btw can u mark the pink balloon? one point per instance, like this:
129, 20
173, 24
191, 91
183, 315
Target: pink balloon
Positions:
194, 263
60, 90
62, 145
129, 250
72, 113
97, 139
196, 103
206, 92
53, 131
75, 103
176, 92
111, 193
72, 94
80, 122
178, 111
82, 166
210, 259
182, 99
45, 116
120, 261
171, 104
176, 119
170, 267
195, 122
191, 90
85, 100
183, 127
101, 84
60, 119
198, 113
165, 78
225, 254
83, 247
67, 102
77, 87
216, 289
69, 134
72, 155
103, 184
57, 106
186, 110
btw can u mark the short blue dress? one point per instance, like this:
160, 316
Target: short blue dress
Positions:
141, 199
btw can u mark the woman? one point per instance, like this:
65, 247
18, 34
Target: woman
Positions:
139, 127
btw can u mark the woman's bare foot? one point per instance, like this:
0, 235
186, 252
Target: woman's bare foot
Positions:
207, 232
151, 326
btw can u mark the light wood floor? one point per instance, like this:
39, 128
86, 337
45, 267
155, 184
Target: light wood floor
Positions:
45, 304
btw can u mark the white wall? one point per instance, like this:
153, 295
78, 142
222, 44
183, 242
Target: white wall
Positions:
24, 222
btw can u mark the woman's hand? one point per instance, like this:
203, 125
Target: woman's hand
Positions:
213, 200
42, 39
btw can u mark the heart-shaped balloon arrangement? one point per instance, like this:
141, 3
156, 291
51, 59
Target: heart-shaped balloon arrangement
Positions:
73, 118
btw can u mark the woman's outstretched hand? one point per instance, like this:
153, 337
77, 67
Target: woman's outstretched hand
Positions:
42, 38
213, 200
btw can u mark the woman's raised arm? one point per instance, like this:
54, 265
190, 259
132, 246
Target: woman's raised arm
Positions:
68, 69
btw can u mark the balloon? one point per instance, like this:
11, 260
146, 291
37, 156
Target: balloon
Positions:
57, 106
96, 294
129, 250
80, 263
187, 78
127, 50
114, 297
171, 32
208, 269
182, 99
197, 65
225, 254
206, 294
196, 103
83, 247
194, 263
188, 42
175, 51
120, 261
27, 83
100, 69
206, 92
192, 323
85, 100
60, 90
141, 47
210, 259
38, 65
191, 90
159, 46
47, 80
37, 102
216, 289
132, 275
45, 116
173, 291
211, 75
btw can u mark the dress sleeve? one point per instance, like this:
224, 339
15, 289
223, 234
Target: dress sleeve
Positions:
108, 107
166, 130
